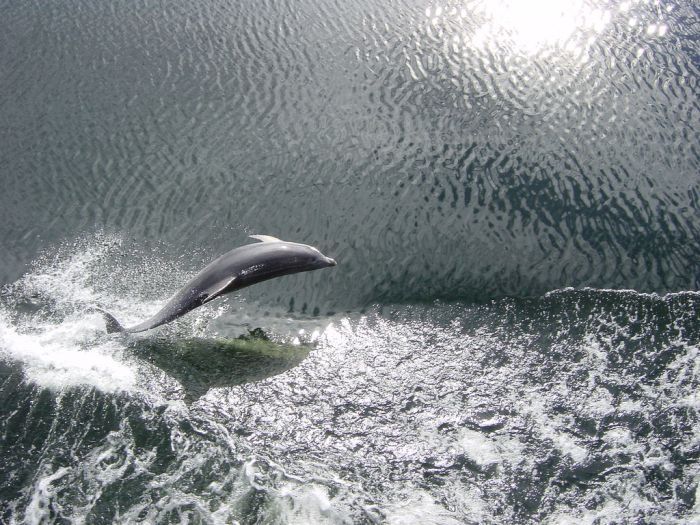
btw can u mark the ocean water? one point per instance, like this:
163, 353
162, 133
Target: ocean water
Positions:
511, 335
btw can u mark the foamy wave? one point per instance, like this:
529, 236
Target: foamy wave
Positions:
48, 326
67, 354
42, 495
48, 323
419, 507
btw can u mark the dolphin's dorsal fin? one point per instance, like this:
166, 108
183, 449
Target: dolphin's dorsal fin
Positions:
265, 238
215, 291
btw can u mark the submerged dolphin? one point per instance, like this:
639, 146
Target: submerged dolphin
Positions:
241, 267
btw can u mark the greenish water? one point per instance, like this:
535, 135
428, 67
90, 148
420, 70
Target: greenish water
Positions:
511, 192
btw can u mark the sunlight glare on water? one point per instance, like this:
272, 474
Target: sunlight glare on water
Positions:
537, 27
529, 27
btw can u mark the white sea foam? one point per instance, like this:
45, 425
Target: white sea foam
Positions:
478, 447
695, 516
39, 508
67, 354
48, 323
551, 427
302, 504
417, 506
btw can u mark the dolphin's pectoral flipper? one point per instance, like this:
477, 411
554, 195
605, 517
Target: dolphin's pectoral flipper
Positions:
215, 291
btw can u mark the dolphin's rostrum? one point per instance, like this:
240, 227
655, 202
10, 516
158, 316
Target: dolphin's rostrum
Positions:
241, 267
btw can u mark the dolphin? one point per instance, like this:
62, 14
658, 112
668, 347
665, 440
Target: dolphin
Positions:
241, 267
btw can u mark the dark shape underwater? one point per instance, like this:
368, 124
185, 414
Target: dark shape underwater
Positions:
199, 364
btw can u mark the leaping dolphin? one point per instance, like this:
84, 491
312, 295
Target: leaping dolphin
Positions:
241, 267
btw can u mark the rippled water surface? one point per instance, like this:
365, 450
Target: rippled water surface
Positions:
511, 191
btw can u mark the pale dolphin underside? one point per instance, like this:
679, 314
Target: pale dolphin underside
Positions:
241, 267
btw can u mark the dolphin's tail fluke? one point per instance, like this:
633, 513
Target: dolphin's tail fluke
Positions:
113, 325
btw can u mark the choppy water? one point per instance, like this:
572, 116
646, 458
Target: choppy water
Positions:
511, 190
